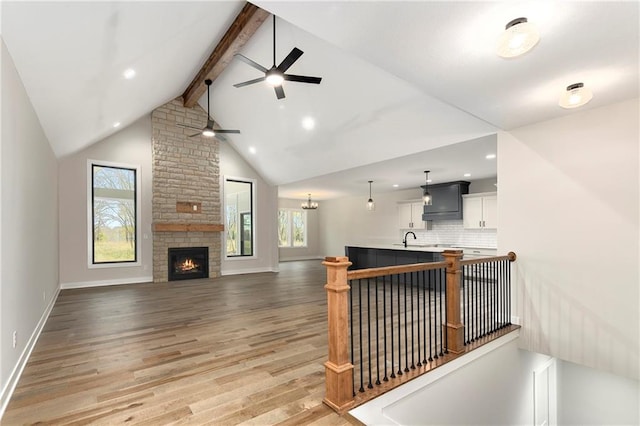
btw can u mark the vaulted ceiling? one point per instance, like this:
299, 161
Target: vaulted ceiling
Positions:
406, 86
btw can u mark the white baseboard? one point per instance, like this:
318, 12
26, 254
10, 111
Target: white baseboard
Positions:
292, 259
248, 271
121, 281
12, 382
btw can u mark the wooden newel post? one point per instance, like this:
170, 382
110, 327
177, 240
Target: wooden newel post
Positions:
454, 328
338, 369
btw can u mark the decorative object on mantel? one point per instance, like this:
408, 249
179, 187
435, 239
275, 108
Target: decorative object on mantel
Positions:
309, 205
188, 207
519, 37
370, 204
187, 227
575, 96
208, 130
426, 196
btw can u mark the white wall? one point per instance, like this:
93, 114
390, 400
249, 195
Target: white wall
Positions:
266, 211
568, 207
591, 397
131, 145
312, 250
495, 388
29, 226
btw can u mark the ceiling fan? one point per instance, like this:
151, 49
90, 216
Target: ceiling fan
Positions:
275, 76
208, 130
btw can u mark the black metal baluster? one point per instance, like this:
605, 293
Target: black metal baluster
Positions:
369, 385
483, 302
424, 311
496, 296
419, 276
437, 297
431, 285
406, 326
399, 332
413, 362
377, 338
351, 316
442, 318
509, 293
475, 297
503, 272
360, 317
393, 374
384, 324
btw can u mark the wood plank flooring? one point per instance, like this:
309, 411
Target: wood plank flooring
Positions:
245, 349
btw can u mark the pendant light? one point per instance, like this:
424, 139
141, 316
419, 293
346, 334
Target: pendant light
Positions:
370, 204
309, 205
517, 39
426, 196
575, 96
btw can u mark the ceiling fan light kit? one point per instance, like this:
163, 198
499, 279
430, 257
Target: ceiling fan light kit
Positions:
519, 37
208, 130
276, 75
575, 96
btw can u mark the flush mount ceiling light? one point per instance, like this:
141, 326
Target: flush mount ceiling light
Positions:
129, 73
518, 38
426, 196
309, 205
370, 204
575, 96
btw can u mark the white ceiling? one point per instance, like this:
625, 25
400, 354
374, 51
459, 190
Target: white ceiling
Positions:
399, 79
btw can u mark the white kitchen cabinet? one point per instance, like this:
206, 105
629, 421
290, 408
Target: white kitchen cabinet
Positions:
480, 211
410, 215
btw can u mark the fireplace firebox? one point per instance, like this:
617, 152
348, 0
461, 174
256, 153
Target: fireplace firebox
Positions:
188, 263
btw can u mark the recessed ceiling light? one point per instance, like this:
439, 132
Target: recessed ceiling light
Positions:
308, 123
129, 73
490, 156
428, 180
467, 175
252, 150
395, 185
518, 38
575, 96
116, 124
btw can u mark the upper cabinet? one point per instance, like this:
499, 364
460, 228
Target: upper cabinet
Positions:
447, 201
480, 210
410, 215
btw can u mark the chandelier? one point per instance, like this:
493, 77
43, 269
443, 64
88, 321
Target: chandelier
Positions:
309, 205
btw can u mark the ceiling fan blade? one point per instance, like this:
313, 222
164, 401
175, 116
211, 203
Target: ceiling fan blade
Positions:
246, 83
225, 131
279, 92
195, 134
302, 78
290, 59
250, 62
189, 127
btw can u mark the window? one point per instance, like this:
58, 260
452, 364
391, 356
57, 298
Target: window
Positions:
114, 215
292, 228
239, 217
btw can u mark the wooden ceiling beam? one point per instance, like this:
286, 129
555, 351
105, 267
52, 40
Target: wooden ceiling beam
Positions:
243, 27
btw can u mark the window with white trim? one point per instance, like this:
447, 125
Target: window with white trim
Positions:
114, 214
292, 228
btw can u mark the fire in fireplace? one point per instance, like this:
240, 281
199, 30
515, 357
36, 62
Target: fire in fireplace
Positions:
188, 263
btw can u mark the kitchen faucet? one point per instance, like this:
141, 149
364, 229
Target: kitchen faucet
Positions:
405, 237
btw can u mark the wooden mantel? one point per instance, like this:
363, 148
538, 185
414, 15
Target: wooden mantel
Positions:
187, 227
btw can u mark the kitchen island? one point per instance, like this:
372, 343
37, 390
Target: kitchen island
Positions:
373, 256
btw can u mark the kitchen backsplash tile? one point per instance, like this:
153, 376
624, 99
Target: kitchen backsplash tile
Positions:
453, 232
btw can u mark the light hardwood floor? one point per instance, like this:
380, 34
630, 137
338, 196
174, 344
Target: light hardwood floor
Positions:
246, 349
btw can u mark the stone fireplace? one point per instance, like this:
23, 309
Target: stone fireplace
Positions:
186, 188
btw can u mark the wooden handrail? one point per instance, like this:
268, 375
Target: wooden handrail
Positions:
391, 270
511, 257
